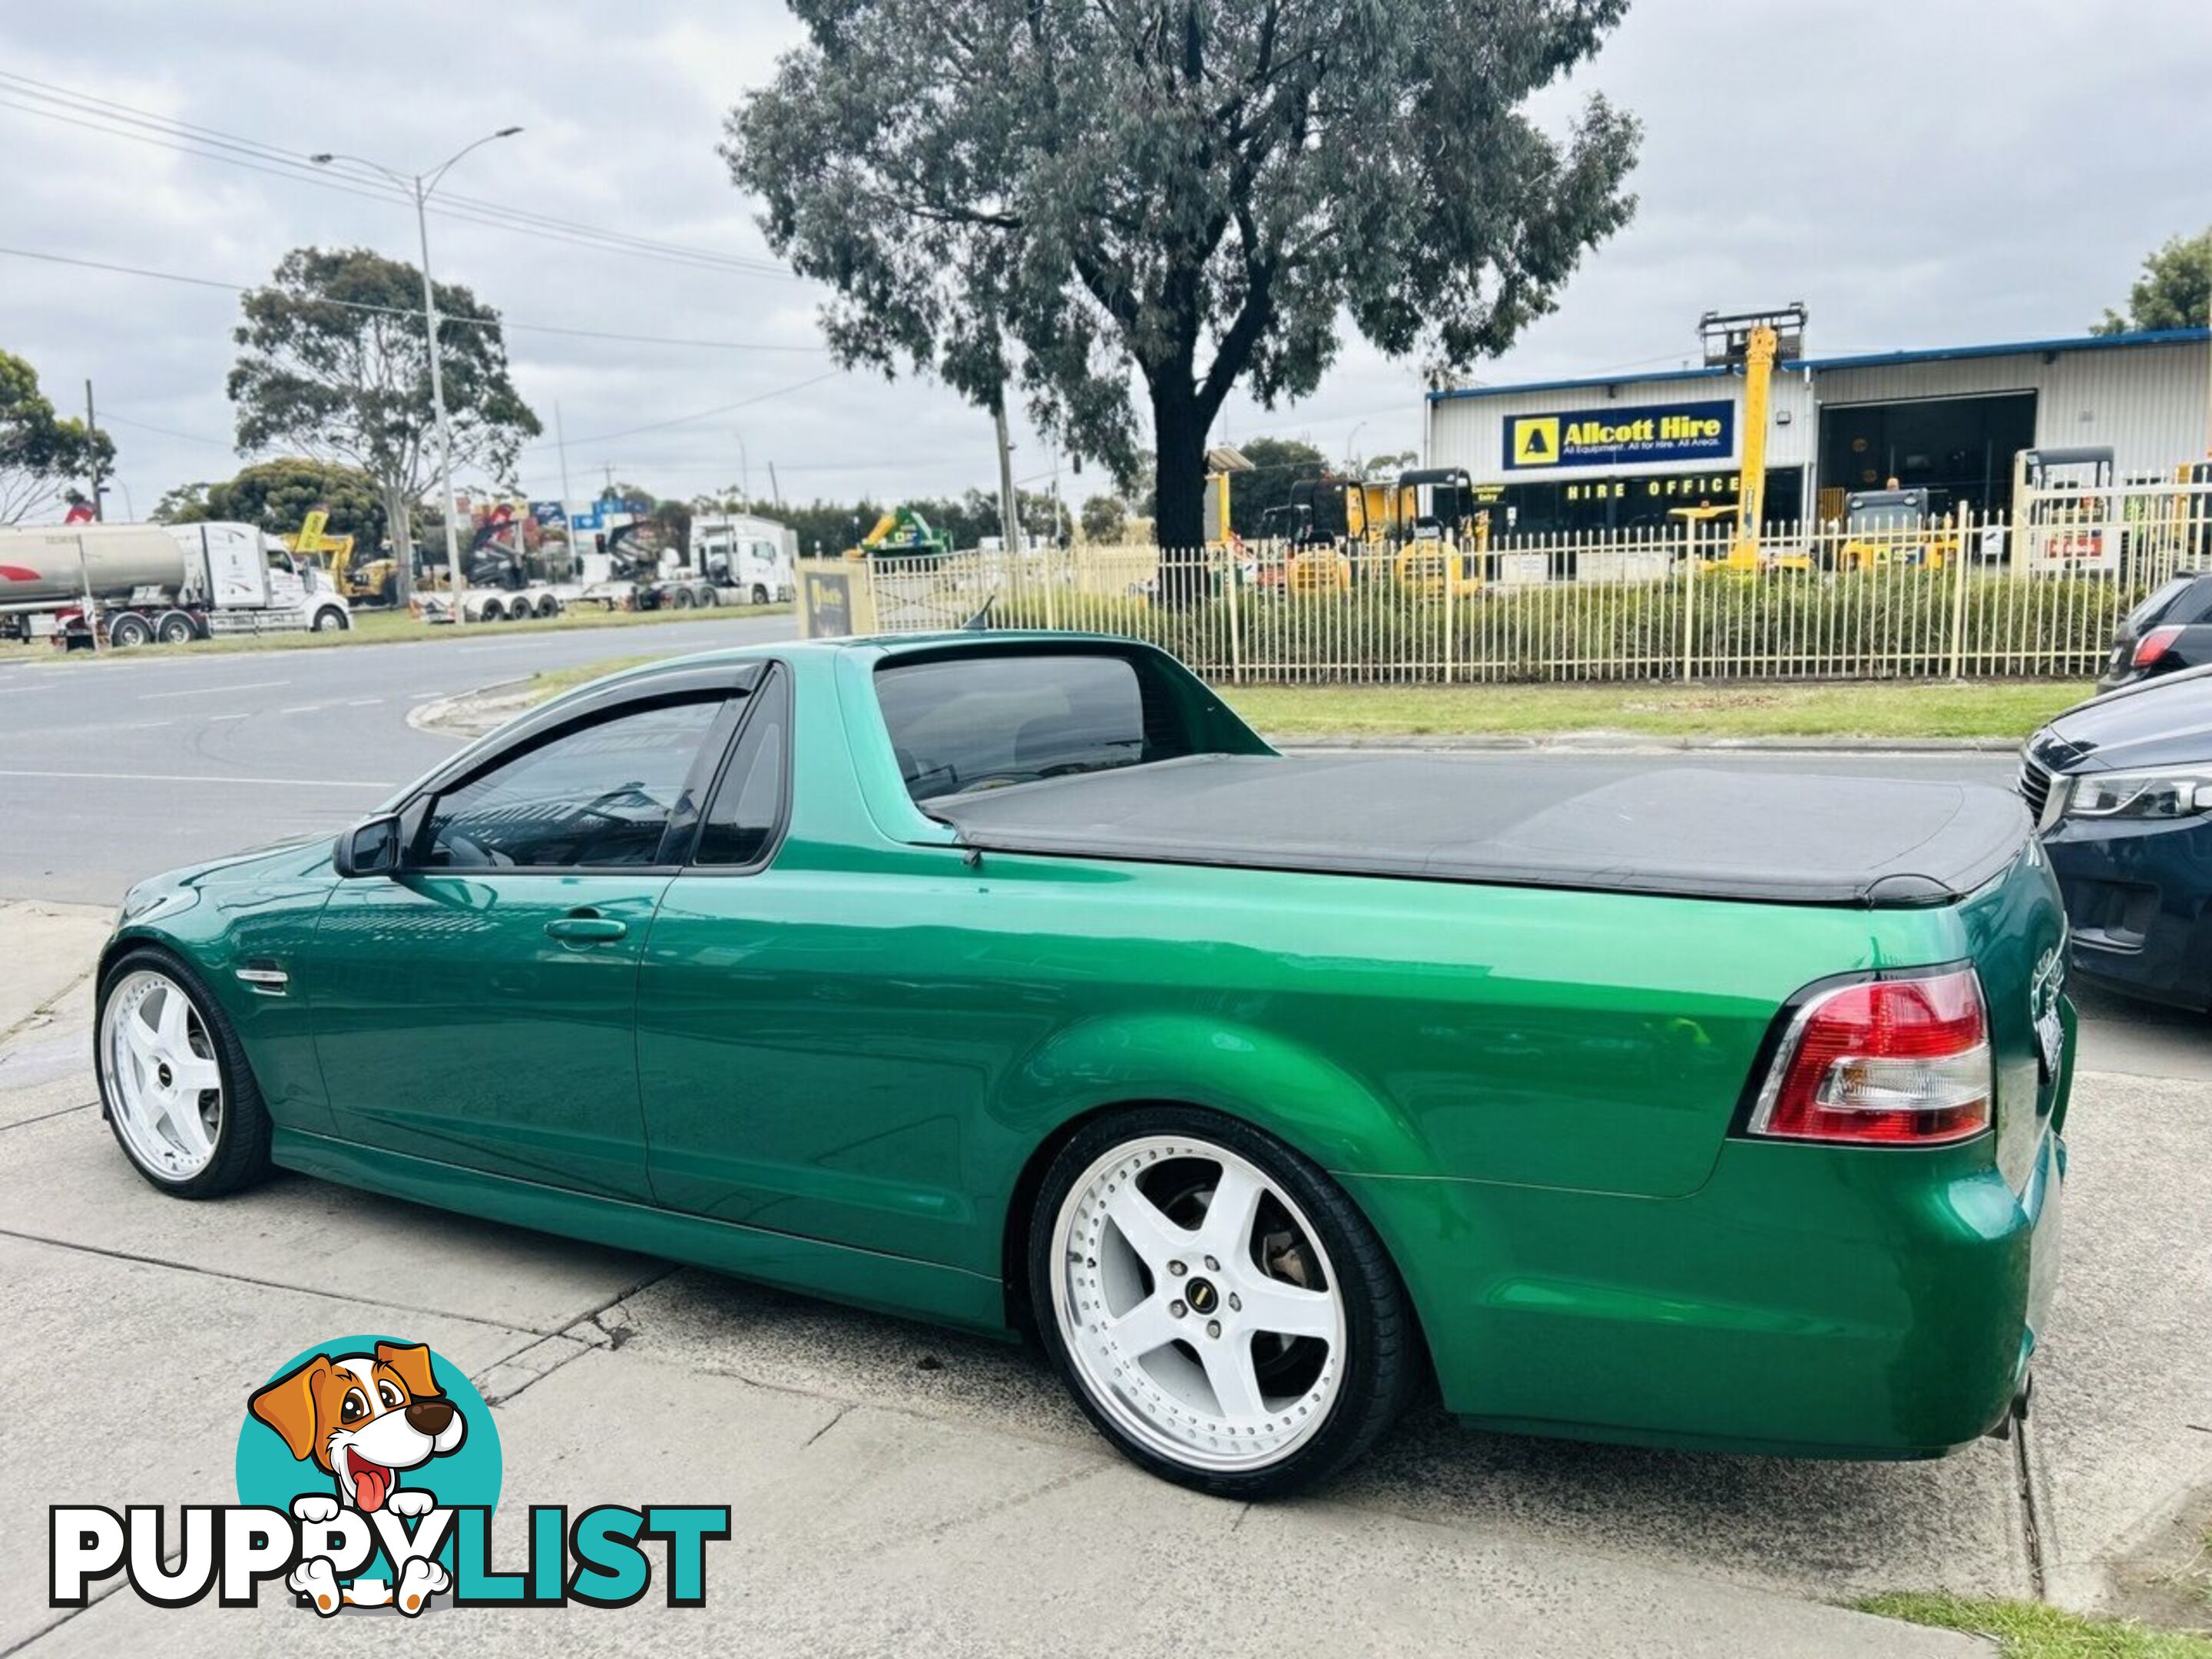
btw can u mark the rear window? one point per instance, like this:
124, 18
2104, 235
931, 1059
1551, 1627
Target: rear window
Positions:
2152, 609
983, 722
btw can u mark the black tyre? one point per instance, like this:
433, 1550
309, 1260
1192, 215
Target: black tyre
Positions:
174, 1084
681, 598
331, 620
176, 627
1217, 1306
760, 594
129, 630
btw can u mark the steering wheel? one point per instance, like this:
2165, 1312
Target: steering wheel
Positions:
601, 805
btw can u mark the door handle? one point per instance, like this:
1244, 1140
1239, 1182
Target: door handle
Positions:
587, 929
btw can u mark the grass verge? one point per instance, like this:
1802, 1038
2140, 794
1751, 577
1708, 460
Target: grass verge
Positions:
387, 627
1997, 708
2028, 1630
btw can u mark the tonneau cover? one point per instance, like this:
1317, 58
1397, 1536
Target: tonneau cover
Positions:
1685, 831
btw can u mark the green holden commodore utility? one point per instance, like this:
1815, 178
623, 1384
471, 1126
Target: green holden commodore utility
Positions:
1009, 981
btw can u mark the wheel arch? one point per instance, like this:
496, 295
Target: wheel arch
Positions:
1260, 1078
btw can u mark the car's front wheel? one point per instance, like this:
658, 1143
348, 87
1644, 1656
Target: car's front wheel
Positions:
174, 1077
1220, 1310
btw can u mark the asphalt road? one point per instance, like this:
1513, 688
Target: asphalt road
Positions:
112, 770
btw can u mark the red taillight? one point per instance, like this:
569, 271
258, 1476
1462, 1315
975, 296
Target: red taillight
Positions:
1892, 1062
2153, 645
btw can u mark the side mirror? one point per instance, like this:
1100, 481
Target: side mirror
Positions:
369, 848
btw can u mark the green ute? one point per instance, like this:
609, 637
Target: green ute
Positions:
1009, 979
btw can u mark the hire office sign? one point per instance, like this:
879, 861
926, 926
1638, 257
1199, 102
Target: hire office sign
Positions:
1619, 437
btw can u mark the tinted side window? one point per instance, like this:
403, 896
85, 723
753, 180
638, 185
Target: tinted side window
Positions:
2195, 605
2152, 609
979, 722
748, 805
599, 795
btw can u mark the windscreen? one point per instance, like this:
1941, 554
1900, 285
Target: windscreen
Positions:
986, 722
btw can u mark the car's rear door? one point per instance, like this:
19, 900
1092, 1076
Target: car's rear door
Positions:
478, 1008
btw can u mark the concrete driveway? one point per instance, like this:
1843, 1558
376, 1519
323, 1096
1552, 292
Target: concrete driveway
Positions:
896, 1485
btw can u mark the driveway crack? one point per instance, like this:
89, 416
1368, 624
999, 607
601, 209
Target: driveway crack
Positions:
357, 1298
2032, 1520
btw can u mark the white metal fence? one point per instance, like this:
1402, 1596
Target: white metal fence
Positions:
1959, 598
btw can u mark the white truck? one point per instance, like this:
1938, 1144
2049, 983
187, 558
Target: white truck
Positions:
142, 583
749, 561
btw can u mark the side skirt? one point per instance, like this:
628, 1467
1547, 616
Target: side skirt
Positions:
864, 1279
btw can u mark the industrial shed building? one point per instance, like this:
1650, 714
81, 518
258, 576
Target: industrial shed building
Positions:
1619, 452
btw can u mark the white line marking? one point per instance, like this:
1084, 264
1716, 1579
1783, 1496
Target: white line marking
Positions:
364, 702
205, 691
304, 708
212, 719
171, 777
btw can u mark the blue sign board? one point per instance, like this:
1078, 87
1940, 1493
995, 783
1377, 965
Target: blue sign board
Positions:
1620, 437
548, 513
589, 518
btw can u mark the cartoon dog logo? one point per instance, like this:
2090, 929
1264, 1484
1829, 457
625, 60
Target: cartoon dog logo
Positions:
364, 1419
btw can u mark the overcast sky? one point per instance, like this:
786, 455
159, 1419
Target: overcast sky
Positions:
1937, 173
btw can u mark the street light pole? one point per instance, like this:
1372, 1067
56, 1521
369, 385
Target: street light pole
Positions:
422, 187
454, 594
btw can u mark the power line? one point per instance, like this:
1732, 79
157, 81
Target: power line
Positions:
109, 415
444, 317
589, 438
137, 126
697, 414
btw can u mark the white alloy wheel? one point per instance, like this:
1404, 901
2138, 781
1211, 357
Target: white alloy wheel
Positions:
164, 1087
1201, 1314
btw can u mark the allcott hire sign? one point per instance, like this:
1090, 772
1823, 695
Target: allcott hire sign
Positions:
1617, 437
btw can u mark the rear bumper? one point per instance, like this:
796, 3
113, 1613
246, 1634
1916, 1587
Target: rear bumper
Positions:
2139, 903
1835, 1302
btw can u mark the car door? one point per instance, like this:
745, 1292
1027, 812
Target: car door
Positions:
776, 1094
478, 1006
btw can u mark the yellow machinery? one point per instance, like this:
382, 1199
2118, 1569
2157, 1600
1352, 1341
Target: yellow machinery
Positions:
312, 540
1318, 570
1893, 526
1370, 512
1425, 567
1756, 339
902, 533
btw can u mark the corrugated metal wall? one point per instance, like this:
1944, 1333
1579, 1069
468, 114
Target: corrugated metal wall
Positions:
2149, 402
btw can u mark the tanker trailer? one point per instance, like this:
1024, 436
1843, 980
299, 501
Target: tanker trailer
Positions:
132, 585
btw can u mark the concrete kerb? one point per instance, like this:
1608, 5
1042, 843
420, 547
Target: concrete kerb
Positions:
469, 715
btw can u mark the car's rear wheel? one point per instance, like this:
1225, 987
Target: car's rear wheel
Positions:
1220, 1310
174, 1077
